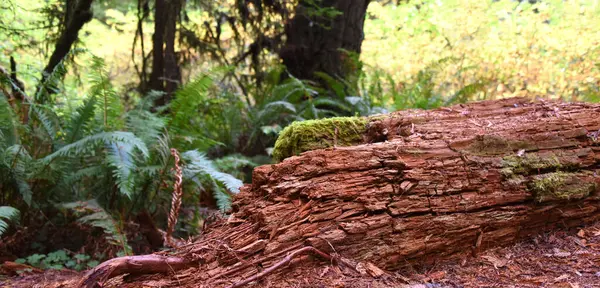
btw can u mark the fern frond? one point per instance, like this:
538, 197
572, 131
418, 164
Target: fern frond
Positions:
84, 145
188, 98
109, 103
163, 149
197, 163
292, 90
223, 198
16, 161
87, 172
7, 213
234, 162
8, 131
79, 122
468, 91
145, 125
198, 166
120, 157
47, 117
335, 85
147, 102
150, 171
101, 219
52, 82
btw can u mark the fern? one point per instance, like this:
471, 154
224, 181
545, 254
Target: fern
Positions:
8, 130
109, 103
145, 125
188, 98
98, 217
16, 161
198, 165
84, 145
7, 213
120, 157
69, 180
80, 121
51, 81
47, 117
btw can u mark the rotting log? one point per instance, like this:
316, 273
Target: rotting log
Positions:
421, 186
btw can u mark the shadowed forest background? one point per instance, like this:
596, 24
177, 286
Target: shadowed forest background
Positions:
100, 99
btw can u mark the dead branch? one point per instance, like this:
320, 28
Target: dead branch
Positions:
143, 264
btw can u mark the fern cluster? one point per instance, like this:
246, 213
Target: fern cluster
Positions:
101, 161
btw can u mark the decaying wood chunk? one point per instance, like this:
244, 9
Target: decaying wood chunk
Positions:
420, 186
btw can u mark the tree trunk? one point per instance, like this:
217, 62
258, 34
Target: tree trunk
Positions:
315, 42
77, 13
423, 186
165, 75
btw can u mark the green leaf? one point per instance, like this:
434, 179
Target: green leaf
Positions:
82, 146
79, 122
9, 214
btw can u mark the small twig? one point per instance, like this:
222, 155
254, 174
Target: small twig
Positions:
277, 265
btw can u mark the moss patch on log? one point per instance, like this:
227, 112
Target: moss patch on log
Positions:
529, 163
309, 135
559, 186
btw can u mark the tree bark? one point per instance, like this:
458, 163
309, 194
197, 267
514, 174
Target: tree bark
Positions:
165, 75
77, 13
315, 43
440, 184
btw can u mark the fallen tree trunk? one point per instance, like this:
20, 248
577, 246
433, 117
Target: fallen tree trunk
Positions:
416, 187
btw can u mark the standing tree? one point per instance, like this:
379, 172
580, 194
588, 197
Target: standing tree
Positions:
319, 35
165, 75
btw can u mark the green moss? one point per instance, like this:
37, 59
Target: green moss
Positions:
309, 135
528, 163
487, 145
559, 186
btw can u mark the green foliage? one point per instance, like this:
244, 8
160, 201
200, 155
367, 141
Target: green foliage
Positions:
59, 259
119, 159
96, 216
197, 167
423, 92
7, 213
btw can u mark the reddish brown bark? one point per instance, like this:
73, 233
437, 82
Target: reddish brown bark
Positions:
443, 185
131, 265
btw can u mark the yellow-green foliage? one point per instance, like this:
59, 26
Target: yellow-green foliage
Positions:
523, 53
559, 186
309, 135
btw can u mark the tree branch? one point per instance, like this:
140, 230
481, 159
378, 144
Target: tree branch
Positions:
81, 15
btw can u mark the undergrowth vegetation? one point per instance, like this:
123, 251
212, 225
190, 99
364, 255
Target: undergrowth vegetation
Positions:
86, 146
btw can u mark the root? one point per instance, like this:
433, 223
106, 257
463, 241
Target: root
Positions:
143, 264
278, 265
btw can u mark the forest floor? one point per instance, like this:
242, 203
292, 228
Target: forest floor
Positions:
557, 259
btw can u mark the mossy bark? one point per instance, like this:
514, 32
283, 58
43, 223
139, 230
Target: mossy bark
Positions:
310, 135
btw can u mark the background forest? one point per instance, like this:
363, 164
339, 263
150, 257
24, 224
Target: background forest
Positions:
105, 104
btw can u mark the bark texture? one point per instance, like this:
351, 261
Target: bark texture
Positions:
314, 41
424, 186
165, 75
